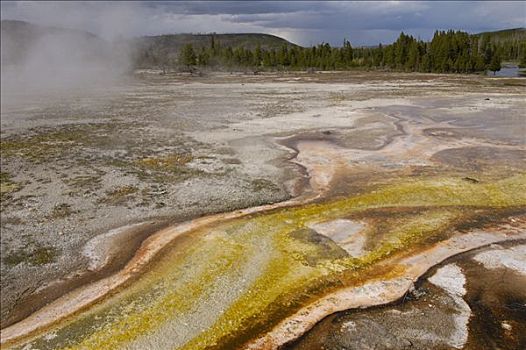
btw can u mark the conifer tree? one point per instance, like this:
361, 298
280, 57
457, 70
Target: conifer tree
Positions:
187, 56
495, 63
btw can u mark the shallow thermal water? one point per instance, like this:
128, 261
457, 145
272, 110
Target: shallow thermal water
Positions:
222, 284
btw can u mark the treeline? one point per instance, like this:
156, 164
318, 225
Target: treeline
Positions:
448, 52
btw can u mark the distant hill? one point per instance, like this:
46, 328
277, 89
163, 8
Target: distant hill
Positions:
246, 40
151, 49
21, 39
53, 47
29, 30
511, 43
516, 34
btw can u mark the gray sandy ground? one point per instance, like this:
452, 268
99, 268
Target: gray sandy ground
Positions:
160, 149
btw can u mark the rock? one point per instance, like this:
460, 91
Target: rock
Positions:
417, 294
506, 326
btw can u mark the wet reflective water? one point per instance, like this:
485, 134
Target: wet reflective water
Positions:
508, 72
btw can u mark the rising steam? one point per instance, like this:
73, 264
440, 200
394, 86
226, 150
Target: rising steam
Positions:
50, 58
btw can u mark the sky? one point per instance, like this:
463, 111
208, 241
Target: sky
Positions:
303, 22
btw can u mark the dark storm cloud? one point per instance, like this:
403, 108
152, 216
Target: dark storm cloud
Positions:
230, 7
394, 15
309, 22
